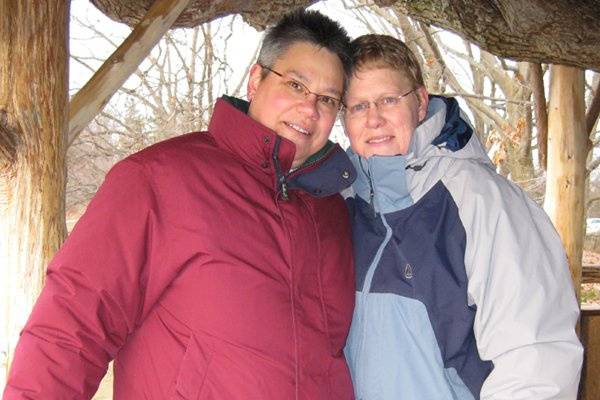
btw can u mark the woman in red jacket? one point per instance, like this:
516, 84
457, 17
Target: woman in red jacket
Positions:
214, 265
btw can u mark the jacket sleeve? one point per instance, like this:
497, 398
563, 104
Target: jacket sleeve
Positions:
92, 295
520, 283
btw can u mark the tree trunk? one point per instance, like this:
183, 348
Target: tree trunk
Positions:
518, 139
567, 151
557, 32
536, 80
478, 89
33, 122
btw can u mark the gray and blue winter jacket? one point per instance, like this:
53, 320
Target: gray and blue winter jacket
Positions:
462, 285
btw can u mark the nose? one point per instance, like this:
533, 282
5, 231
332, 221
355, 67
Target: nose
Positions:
374, 118
308, 106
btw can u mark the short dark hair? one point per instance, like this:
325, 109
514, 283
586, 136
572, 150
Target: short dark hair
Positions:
384, 51
307, 26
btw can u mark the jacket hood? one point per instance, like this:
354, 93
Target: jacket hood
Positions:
445, 132
383, 180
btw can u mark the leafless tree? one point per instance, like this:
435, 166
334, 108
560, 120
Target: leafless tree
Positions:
171, 93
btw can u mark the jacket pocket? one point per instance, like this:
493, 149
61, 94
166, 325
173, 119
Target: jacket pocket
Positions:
192, 371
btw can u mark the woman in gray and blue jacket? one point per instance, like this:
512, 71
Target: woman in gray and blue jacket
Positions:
463, 290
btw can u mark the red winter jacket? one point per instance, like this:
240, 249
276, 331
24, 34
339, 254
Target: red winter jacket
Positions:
199, 279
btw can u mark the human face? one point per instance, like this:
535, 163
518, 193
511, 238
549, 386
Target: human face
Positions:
300, 119
383, 130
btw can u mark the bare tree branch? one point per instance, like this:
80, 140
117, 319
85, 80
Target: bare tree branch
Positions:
593, 111
475, 103
238, 87
495, 71
591, 201
483, 97
80, 61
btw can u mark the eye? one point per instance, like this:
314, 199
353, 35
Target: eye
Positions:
328, 101
295, 86
388, 101
359, 108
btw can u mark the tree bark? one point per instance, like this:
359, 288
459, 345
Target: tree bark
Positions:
593, 111
478, 89
558, 32
536, 80
567, 151
518, 136
33, 120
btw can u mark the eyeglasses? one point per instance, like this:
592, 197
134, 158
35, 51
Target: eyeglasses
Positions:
326, 104
384, 103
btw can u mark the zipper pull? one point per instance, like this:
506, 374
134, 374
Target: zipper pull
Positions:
281, 182
372, 200
372, 191
284, 190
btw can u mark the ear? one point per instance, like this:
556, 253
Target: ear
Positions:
342, 119
423, 97
254, 79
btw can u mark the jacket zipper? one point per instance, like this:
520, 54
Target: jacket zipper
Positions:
367, 172
282, 179
372, 267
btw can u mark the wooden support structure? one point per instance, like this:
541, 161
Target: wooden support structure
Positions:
92, 98
590, 337
567, 152
33, 124
590, 273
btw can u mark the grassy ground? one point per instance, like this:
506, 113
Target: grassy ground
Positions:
590, 293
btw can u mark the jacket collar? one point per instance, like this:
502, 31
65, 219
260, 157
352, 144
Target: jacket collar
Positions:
235, 131
327, 172
381, 181
445, 132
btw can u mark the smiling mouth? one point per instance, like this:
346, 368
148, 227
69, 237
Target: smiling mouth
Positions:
380, 139
298, 128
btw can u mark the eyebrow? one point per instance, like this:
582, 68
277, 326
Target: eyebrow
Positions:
330, 90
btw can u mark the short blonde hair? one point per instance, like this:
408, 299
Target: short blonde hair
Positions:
384, 51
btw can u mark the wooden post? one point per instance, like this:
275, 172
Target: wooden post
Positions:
567, 152
590, 337
33, 127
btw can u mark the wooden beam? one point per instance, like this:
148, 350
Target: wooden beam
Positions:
92, 98
590, 337
590, 273
567, 152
